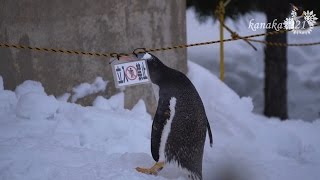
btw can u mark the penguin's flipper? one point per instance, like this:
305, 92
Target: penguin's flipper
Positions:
210, 133
160, 118
158, 166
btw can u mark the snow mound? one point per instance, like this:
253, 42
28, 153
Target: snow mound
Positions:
33, 105
211, 87
64, 97
86, 89
116, 102
139, 107
106, 141
8, 101
28, 87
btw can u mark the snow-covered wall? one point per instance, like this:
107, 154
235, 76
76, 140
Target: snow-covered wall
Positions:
90, 25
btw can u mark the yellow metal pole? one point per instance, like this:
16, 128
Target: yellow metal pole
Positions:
221, 17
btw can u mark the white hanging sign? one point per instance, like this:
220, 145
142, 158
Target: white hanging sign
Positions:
130, 73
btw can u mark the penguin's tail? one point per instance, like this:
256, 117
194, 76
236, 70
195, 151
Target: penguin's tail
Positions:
210, 133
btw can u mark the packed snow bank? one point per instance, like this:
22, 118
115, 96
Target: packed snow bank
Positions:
259, 147
106, 141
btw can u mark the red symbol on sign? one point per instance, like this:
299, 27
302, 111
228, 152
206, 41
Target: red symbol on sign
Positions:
131, 72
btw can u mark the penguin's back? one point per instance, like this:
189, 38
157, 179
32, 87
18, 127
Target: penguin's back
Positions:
185, 142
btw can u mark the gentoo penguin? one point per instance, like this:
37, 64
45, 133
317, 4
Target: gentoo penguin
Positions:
180, 123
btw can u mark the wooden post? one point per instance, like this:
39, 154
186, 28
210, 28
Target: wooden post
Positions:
221, 17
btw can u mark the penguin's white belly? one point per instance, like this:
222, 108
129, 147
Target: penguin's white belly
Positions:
167, 129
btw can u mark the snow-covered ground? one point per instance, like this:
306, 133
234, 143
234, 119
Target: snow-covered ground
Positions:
42, 138
244, 67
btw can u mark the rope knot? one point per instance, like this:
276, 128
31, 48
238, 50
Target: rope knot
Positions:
235, 36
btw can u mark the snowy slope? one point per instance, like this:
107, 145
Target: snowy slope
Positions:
42, 138
244, 67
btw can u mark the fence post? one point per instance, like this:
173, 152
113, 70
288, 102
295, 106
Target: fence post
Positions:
221, 17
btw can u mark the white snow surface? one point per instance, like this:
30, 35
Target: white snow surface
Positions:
86, 89
108, 142
244, 67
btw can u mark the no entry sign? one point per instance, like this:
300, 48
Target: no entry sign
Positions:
130, 73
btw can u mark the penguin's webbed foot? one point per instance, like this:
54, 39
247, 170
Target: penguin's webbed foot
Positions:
153, 170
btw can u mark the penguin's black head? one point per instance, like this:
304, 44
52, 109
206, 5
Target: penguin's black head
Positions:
156, 67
